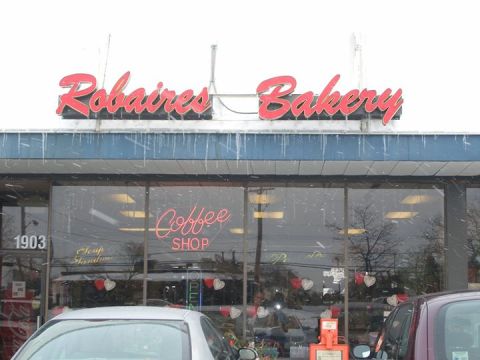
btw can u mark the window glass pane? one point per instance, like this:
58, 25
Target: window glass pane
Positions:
396, 247
473, 237
296, 272
396, 337
457, 330
196, 251
97, 246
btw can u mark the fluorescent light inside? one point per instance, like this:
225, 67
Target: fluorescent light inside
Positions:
401, 214
122, 198
353, 231
416, 199
237, 231
133, 214
263, 199
102, 216
268, 214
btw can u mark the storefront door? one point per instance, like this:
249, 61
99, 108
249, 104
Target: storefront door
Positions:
23, 249
21, 301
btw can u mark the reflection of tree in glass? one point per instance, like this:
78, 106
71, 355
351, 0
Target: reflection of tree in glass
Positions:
473, 236
374, 249
423, 270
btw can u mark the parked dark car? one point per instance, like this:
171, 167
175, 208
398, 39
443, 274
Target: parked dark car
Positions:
440, 326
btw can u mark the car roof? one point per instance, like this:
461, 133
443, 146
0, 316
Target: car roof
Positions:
445, 296
129, 312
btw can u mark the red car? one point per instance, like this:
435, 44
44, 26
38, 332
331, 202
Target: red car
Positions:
440, 326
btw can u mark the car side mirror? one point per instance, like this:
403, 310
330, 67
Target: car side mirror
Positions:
247, 354
361, 352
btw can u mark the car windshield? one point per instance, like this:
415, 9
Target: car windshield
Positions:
458, 331
109, 340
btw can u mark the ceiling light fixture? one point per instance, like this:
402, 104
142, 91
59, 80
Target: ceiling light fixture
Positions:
262, 199
416, 199
268, 214
136, 214
122, 198
237, 231
353, 231
400, 214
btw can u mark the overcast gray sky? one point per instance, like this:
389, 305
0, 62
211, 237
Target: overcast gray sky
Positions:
430, 49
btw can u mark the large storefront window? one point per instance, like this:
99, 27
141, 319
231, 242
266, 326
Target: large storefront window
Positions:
296, 272
396, 250
195, 250
473, 237
97, 246
185, 244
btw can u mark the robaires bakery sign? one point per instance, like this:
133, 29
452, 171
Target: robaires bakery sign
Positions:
277, 101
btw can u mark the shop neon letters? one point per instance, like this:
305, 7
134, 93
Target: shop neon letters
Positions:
190, 244
170, 223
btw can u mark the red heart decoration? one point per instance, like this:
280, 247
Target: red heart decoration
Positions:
402, 297
296, 283
251, 311
208, 283
335, 311
359, 278
225, 311
100, 284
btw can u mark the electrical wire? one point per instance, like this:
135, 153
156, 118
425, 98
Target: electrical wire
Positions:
229, 108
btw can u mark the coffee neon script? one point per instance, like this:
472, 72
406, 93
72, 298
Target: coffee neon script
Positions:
186, 230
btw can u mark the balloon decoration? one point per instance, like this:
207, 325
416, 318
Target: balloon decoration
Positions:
251, 311
104, 284
225, 311
262, 312
109, 284
392, 300
234, 312
100, 284
335, 311
359, 278
218, 284
307, 284
296, 283
369, 280
326, 314
208, 282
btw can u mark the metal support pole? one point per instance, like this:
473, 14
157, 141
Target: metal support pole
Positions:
346, 261
245, 261
145, 244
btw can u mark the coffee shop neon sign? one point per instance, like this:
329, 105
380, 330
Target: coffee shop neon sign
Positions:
274, 96
186, 231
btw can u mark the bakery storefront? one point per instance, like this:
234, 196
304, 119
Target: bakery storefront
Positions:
264, 231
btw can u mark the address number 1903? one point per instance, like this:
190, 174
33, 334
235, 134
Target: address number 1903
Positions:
30, 241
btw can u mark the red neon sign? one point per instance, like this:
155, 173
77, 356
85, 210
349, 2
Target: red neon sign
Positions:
134, 102
274, 94
328, 101
185, 230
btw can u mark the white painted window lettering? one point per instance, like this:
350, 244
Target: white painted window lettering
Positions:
35, 242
